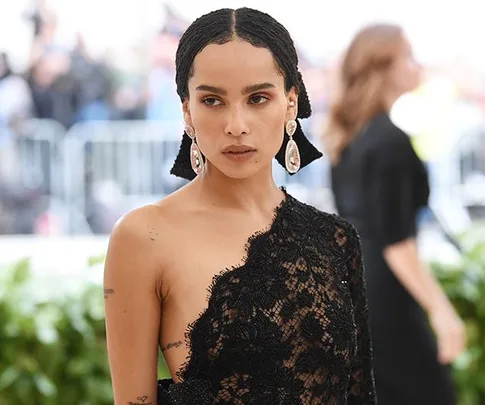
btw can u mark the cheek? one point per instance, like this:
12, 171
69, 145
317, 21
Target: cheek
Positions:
411, 75
406, 75
206, 124
275, 117
201, 117
270, 127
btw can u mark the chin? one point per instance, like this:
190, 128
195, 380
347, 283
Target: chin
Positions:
239, 171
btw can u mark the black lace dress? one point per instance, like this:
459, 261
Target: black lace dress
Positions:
289, 326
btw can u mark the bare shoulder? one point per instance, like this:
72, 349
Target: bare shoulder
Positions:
141, 224
140, 244
135, 233
147, 225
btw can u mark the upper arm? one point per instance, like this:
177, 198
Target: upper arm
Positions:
389, 192
133, 310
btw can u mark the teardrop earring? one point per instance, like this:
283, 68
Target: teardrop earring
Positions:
196, 158
292, 154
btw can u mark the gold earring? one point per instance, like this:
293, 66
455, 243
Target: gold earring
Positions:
292, 154
196, 158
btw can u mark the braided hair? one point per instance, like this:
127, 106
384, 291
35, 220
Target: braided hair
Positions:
260, 30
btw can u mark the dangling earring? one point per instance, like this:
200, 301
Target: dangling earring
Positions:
292, 154
196, 159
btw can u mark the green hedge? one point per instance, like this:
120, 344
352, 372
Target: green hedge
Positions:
53, 350
464, 283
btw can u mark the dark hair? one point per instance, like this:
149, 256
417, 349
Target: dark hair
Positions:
253, 26
260, 30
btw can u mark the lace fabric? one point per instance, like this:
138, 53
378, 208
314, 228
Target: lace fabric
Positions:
289, 326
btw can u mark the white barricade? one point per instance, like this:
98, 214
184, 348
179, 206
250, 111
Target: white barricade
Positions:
34, 152
113, 166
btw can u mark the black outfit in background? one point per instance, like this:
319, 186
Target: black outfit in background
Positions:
379, 186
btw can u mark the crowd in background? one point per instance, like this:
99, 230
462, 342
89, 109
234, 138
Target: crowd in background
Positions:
69, 84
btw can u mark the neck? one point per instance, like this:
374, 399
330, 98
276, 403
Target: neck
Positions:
258, 191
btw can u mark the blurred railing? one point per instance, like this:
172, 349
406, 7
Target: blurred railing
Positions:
98, 170
117, 165
38, 153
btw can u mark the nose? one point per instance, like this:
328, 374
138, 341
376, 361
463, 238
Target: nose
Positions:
236, 124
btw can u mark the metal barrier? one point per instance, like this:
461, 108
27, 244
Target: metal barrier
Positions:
100, 169
118, 165
37, 157
471, 166
30, 167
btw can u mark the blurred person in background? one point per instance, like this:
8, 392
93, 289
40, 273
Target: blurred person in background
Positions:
94, 84
54, 88
162, 98
379, 185
19, 204
286, 321
16, 103
38, 13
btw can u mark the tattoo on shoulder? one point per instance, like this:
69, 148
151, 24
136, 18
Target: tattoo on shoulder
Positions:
152, 233
140, 401
108, 292
172, 345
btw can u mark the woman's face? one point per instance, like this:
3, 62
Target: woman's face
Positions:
405, 72
238, 107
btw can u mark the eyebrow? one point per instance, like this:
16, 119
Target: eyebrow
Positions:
246, 90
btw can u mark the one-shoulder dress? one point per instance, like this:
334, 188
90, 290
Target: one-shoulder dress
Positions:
289, 326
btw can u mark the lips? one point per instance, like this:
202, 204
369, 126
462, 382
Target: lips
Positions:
238, 149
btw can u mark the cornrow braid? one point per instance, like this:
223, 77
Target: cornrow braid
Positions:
260, 30
215, 27
254, 27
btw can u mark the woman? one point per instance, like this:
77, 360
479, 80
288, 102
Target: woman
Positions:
285, 320
379, 185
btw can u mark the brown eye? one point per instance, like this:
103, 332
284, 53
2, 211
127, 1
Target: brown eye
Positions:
211, 101
258, 99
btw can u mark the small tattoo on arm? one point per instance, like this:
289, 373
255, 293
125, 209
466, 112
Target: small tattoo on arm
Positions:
172, 345
140, 401
108, 292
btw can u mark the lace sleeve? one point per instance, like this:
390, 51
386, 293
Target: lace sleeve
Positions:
361, 389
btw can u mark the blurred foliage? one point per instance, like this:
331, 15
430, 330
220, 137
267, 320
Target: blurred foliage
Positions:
53, 351
464, 283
